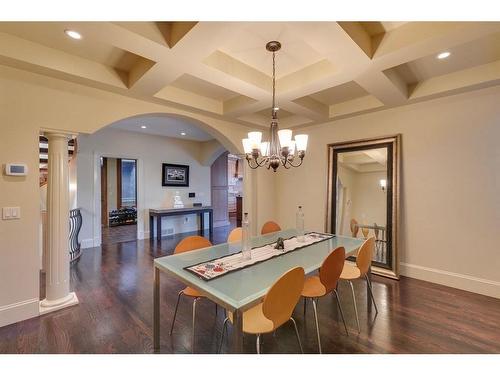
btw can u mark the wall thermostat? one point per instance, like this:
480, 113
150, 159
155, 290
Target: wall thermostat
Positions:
16, 169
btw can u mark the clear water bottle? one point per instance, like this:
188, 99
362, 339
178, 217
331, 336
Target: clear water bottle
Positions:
300, 224
246, 246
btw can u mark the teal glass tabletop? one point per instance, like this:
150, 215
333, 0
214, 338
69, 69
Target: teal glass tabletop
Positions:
245, 287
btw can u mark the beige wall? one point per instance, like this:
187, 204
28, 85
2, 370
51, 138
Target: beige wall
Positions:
368, 199
30, 102
450, 185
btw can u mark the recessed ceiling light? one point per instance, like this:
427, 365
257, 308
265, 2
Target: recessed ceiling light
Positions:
443, 55
183, 133
73, 34
143, 126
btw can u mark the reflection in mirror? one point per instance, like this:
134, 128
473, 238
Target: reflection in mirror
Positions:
363, 196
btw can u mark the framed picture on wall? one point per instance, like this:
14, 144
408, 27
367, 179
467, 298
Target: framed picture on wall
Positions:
174, 175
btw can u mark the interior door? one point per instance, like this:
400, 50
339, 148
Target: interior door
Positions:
220, 191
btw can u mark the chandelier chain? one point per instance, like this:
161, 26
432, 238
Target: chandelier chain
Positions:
274, 84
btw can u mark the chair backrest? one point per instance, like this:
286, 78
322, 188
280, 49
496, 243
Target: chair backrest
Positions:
192, 243
330, 270
270, 227
365, 232
283, 296
354, 228
235, 235
364, 256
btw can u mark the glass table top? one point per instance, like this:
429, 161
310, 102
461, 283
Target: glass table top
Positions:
244, 288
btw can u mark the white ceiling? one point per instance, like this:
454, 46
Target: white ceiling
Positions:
482, 51
164, 126
365, 161
325, 70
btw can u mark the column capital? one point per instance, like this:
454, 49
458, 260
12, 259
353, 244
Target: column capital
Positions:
54, 134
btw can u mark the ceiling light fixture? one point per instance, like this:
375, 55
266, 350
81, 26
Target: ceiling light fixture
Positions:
183, 133
143, 126
73, 34
280, 148
443, 55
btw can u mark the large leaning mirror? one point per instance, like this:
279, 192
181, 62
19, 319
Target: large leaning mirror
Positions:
363, 196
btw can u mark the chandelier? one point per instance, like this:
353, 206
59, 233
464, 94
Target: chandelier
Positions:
280, 149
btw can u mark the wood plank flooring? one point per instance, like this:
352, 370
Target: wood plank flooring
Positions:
114, 286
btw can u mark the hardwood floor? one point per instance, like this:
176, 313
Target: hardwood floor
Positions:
114, 286
120, 233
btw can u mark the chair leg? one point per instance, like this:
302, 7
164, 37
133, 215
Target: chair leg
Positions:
341, 311
216, 310
194, 321
371, 292
258, 344
317, 325
355, 307
175, 312
224, 328
305, 305
297, 334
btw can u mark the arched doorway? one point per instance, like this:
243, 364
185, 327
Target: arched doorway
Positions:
139, 138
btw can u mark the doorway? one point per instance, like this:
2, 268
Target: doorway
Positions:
118, 200
227, 190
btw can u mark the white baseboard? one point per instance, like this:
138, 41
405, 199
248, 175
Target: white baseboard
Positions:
87, 243
15, 312
455, 280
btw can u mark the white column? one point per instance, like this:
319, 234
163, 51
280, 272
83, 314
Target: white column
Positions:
57, 294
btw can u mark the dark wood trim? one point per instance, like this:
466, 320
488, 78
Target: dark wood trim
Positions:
104, 192
118, 183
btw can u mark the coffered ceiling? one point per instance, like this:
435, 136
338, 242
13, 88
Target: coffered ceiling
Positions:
325, 70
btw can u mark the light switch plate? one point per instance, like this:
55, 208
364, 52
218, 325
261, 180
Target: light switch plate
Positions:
11, 213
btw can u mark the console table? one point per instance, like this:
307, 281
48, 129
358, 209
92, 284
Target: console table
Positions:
162, 212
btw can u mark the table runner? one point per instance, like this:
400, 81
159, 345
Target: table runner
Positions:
214, 268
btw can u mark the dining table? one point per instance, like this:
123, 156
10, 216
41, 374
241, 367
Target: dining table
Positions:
244, 288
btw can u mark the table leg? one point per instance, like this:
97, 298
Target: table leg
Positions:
237, 339
211, 225
158, 228
368, 296
202, 223
156, 311
151, 227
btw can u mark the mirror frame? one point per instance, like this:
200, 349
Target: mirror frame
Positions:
394, 151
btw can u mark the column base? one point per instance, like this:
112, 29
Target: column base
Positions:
47, 306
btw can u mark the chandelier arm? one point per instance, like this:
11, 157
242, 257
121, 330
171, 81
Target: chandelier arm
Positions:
296, 165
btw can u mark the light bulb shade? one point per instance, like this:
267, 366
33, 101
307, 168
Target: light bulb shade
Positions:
255, 139
301, 142
291, 147
264, 148
383, 183
247, 145
285, 136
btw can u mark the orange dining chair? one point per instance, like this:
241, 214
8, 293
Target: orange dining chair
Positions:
276, 308
189, 244
359, 270
319, 286
354, 228
270, 227
235, 235
365, 232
